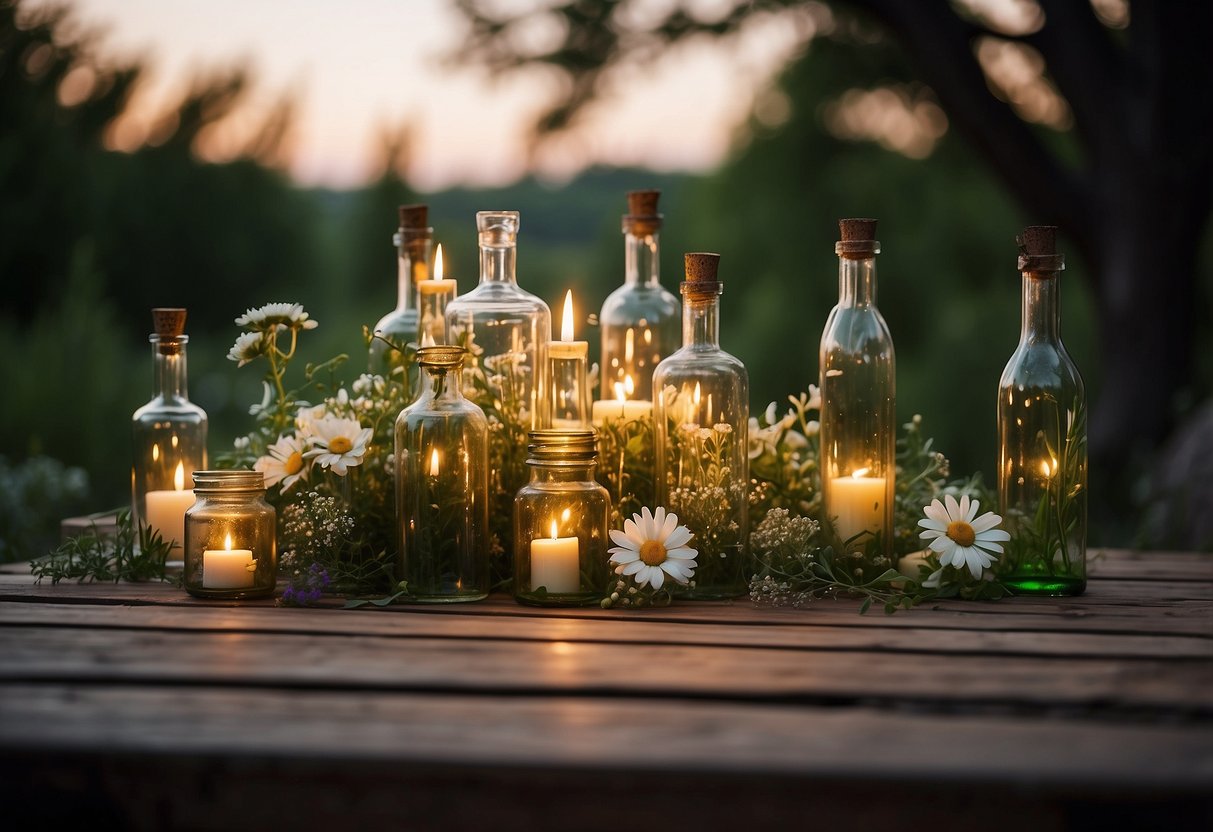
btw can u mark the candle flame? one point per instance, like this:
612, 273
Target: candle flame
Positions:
695, 398
648, 336
427, 340
629, 386
438, 263
629, 345
1048, 468
564, 515
434, 463
620, 392
555, 531
179, 477
227, 542
566, 323
155, 452
174, 440
860, 473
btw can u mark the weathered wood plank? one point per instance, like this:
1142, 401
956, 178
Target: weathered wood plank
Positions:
212, 758
406, 625
1111, 687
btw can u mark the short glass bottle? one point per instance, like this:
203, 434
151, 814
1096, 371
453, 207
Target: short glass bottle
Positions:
169, 435
701, 439
442, 485
413, 241
561, 523
1042, 438
640, 319
858, 399
505, 329
230, 545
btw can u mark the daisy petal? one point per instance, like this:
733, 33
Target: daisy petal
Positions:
986, 521
621, 539
953, 508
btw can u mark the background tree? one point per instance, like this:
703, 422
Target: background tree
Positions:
1130, 179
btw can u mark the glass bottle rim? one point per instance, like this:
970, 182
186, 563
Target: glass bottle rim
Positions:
442, 356
229, 481
857, 249
568, 447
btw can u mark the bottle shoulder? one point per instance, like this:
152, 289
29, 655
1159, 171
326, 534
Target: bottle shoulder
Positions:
398, 320
698, 361
1041, 364
859, 330
496, 296
177, 411
632, 303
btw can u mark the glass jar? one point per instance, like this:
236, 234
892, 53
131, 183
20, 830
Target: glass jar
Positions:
858, 409
389, 353
230, 545
560, 523
701, 420
442, 485
1042, 438
169, 435
639, 320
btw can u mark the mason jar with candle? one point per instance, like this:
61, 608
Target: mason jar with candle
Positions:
230, 544
560, 523
1042, 438
639, 321
442, 485
701, 420
858, 411
389, 355
169, 435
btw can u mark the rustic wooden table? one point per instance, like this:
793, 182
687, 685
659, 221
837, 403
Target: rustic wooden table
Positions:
136, 706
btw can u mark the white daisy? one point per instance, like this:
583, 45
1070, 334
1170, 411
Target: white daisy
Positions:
273, 314
960, 539
651, 546
337, 443
248, 346
284, 462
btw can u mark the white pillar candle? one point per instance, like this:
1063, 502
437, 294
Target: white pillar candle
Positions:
614, 410
228, 568
165, 510
857, 503
556, 563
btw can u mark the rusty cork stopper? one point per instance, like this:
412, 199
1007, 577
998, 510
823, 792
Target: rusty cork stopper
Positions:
169, 323
1038, 250
414, 216
858, 239
701, 282
414, 229
642, 217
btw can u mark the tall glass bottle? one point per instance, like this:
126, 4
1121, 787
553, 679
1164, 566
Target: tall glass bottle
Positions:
858, 389
701, 439
169, 434
639, 320
442, 485
413, 241
1042, 438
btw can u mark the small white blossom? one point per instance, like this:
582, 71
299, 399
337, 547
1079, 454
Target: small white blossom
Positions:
248, 346
267, 317
338, 444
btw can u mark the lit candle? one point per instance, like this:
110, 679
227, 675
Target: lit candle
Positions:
857, 502
434, 463
166, 509
567, 373
566, 347
622, 408
556, 563
228, 568
435, 294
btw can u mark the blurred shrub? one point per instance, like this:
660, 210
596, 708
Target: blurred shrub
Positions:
34, 496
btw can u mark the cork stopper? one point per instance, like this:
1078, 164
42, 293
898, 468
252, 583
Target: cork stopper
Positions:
701, 283
642, 217
1038, 250
169, 323
858, 239
414, 231
414, 216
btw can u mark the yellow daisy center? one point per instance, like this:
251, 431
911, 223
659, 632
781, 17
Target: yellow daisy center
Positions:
340, 445
652, 552
293, 464
961, 532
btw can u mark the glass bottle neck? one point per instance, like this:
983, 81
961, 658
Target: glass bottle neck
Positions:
1041, 313
641, 265
412, 266
442, 385
856, 281
701, 323
497, 264
562, 473
169, 374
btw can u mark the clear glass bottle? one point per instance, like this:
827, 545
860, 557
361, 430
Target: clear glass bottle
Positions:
639, 320
560, 523
858, 399
230, 545
413, 241
701, 439
1042, 438
169, 434
442, 485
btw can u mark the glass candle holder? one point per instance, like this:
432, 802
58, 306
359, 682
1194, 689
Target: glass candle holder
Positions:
560, 523
230, 545
434, 296
442, 485
700, 436
389, 354
640, 319
169, 436
1042, 438
569, 404
858, 412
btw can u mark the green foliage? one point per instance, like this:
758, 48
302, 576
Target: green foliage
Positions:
34, 496
132, 554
